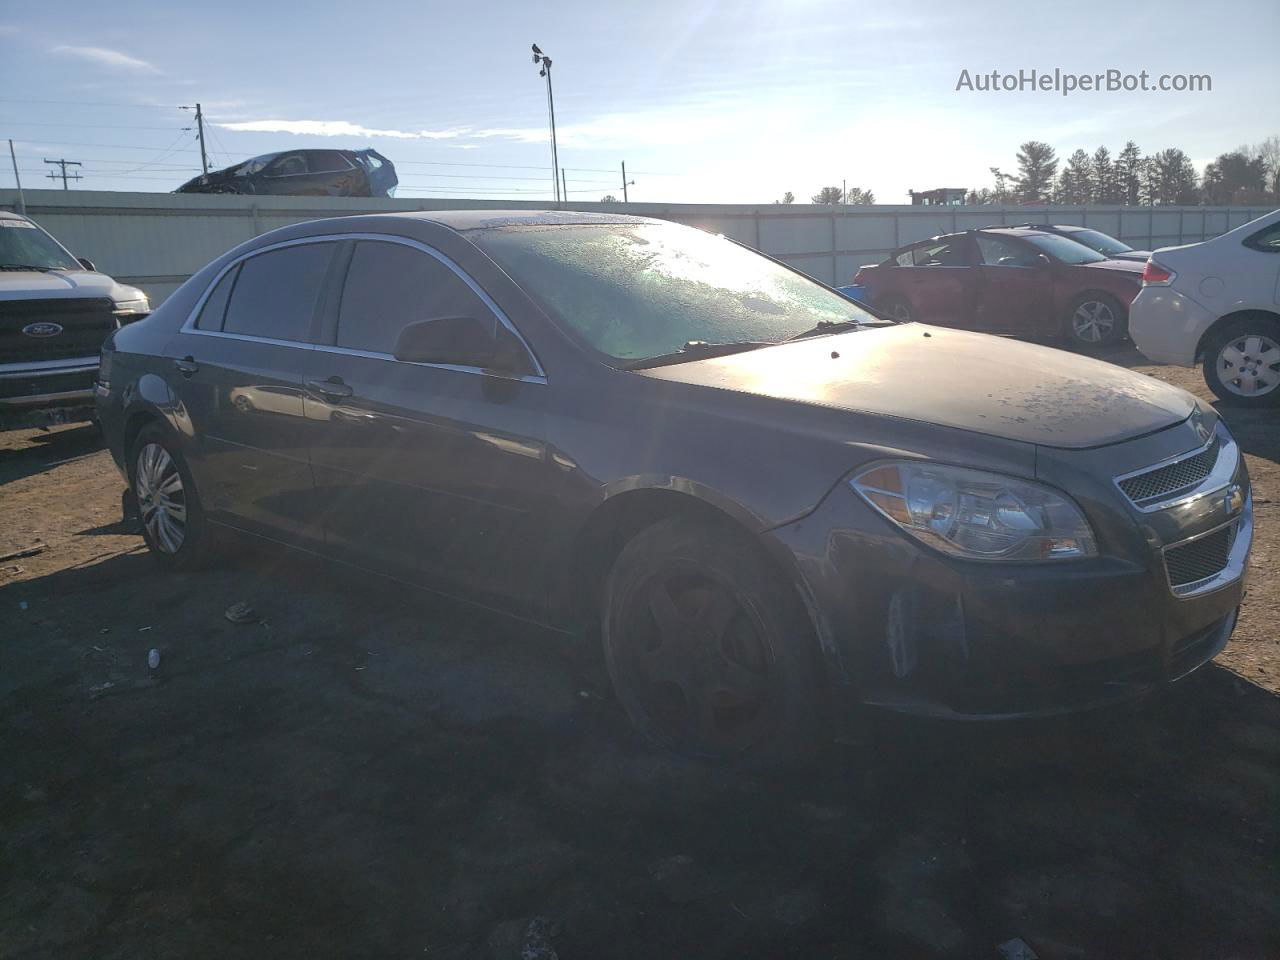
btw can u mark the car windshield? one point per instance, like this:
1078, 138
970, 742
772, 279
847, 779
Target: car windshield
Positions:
1105, 245
1064, 249
636, 291
23, 244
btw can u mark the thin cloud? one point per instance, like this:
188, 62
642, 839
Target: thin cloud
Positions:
108, 58
336, 128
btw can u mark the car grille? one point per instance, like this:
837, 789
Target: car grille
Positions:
14, 389
1172, 478
85, 325
1199, 559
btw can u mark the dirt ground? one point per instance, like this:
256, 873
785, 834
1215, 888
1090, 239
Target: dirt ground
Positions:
368, 775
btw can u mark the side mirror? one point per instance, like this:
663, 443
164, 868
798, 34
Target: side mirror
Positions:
87, 264
462, 341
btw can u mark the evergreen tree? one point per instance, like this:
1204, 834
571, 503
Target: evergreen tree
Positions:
1104, 177
1129, 170
1037, 168
1075, 186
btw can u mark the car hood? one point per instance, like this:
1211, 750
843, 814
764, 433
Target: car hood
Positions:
62, 284
968, 381
1120, 266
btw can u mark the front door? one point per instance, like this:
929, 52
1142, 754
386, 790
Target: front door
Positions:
238, 372
427, 472
1015, 290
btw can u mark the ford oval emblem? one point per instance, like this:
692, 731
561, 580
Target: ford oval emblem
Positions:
43, 329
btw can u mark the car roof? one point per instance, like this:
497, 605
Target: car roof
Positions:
466, 220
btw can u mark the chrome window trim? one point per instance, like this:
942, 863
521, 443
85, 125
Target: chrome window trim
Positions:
189, 325
1237, 556
38, 367
1222, 474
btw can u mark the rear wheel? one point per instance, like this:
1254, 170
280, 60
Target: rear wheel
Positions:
173, 522
710, 653
1242, 362
1096, 319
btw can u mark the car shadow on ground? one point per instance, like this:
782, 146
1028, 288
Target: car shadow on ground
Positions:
366, 771
47, 450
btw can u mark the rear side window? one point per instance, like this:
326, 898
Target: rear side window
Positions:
277, 292
327, 161
215, 308
946, 253
389, 286
903, 259
1267, 239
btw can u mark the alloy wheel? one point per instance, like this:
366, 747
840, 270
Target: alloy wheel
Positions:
162, 502
698, 664
1249, 366
1093, 321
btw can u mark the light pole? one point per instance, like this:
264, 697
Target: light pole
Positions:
544, 63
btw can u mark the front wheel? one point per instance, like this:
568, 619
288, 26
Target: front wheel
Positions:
710, 652
1242, 362
173, 522
1096, 320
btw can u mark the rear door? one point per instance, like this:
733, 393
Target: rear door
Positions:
427, 472
1015, 292
940, 281
238, 369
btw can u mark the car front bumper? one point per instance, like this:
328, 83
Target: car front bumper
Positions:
46, 393
905, 627
1167, 325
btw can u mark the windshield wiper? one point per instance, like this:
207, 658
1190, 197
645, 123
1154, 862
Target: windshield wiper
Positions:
25, 266
828, 326
697, 350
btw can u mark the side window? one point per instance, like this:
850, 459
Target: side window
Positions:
277, 292
1266, 240
903, 259
326, 161
215, 308
998, 252
389, 286
946, 253
287, 165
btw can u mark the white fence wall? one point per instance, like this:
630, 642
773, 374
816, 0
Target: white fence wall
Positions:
157, 240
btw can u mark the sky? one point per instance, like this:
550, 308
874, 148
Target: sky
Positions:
712, 102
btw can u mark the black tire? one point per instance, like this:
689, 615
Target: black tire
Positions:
1109, 325
196, 546
733, 674
897, 308
1237, 337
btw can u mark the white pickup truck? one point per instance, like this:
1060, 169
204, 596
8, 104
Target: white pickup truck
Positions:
55, 313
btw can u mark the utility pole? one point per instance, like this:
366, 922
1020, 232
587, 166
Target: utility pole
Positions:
545, 62
564, 183
204, 157
22, 203
63, 164
625, 182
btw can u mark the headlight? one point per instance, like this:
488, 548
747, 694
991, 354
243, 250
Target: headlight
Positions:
977, 515
126, 311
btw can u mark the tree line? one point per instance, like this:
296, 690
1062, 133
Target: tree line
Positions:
1249, 174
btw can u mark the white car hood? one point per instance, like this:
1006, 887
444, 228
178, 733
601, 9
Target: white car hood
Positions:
63, 284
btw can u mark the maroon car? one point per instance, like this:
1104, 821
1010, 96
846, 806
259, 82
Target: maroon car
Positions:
1012, 280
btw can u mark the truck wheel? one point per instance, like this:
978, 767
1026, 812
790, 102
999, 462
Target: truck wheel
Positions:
710, 653
173, 522
898, 308
1242, 361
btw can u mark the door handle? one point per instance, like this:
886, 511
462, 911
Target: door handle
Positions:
332, 388
186, 366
